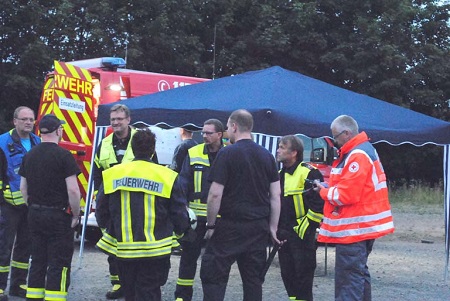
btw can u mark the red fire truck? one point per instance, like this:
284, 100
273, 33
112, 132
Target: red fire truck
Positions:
74, 90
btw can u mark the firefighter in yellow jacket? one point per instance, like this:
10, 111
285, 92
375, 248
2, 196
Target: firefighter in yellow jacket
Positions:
194, 178
145, 206
301, 213
112, 150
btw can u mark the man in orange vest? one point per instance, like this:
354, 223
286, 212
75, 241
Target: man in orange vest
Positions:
356, 211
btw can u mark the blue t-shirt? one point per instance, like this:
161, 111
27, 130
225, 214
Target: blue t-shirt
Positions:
26, 143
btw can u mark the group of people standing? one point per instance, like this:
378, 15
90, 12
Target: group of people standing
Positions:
243, 203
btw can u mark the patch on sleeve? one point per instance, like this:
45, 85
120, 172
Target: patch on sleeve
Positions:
354, 167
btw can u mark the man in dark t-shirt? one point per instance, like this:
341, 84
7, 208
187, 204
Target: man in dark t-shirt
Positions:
245, 191
49, 186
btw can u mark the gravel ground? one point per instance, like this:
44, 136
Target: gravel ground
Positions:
407, 265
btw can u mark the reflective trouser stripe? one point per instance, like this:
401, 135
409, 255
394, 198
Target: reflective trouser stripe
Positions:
55, 296
114, 277
185, 282
20, 265
35, 293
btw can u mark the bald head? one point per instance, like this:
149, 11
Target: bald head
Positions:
243, 119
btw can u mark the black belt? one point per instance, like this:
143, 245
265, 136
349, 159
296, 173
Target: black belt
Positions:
47, 207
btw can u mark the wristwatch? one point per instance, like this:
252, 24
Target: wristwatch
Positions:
210, 227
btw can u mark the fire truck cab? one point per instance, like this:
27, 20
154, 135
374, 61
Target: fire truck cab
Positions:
319, 152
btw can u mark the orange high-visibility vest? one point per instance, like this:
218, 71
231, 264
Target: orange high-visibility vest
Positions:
356, 203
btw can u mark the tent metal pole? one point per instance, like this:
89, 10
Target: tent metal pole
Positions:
446, 168
99, 135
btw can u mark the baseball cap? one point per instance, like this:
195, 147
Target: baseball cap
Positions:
49, 123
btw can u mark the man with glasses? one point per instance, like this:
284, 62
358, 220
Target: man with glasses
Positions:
14, 144
356, 211
112, 150
194, 177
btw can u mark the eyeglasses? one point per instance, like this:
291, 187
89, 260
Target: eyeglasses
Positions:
335, 137
117, 119
26, 119
208, 133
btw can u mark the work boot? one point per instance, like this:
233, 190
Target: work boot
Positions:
20, 291
115, 293
3, 297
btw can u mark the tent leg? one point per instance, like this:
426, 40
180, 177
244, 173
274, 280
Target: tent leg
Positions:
83, 230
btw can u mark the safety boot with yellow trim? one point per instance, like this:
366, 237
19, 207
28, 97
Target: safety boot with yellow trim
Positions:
20, 291
115, 293
3, 297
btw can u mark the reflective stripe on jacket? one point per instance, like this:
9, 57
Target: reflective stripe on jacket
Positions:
107, 156
356, 203
139, 195
199, 161
14, 152
294, 186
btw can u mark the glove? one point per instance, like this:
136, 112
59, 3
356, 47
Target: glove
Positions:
302, 226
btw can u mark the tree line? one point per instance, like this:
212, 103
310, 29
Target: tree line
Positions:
394, 50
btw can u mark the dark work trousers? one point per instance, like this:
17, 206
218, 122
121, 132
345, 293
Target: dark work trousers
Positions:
297, 263
52, 245
14, 236
188, 263
113, 270
241, 241
142, 278
352, 277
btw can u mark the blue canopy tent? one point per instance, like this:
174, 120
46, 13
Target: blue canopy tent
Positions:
286, 102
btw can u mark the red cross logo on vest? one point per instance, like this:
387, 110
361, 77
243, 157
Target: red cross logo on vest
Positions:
354, 167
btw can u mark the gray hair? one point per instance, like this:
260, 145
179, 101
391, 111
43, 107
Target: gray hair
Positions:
18, 109
296, 144
345, 123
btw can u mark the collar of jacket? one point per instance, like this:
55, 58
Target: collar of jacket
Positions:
352, 143
206, 149
16, 139
291, 170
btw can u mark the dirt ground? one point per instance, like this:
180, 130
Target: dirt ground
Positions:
405, 266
